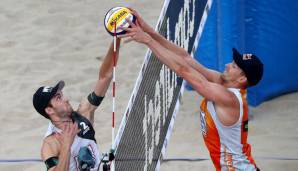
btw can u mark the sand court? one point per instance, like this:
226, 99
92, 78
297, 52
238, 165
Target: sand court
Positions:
42, 42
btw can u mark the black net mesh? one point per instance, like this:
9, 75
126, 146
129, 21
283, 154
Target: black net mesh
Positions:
150, 114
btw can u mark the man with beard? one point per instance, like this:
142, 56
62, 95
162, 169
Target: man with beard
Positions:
69, 143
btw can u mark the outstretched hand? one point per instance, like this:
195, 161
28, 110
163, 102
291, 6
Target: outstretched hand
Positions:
141, 22
136, 33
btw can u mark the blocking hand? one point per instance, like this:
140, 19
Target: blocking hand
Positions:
141, 22
136, 33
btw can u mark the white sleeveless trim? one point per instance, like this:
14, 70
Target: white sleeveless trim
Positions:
212, 111
52, 129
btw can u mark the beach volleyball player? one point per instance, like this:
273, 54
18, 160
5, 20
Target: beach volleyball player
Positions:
224, 109
69, 143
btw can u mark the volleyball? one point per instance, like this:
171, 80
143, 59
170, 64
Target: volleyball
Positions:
118, 15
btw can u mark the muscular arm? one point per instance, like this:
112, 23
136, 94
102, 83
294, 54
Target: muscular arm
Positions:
51, 149
106, 71
167, 44
221, 96
225, 100
215, 92
102, 84
157, 37
177, 64
211, 75
201, 78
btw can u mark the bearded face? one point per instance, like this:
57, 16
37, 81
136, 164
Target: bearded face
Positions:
60, 105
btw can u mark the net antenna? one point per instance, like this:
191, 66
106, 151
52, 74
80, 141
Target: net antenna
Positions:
114, 92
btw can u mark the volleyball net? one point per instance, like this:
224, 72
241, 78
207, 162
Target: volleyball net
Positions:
149, 118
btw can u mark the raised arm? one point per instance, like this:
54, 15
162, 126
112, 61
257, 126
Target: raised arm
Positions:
158, 37
90, 104
212, 91
210, 75
106, 71
228, 111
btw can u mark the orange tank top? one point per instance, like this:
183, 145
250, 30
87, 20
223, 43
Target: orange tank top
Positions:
227, 145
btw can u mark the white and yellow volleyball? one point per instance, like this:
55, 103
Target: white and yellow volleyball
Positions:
116, 17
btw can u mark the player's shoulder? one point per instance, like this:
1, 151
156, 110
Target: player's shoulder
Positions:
49, 139
50, 147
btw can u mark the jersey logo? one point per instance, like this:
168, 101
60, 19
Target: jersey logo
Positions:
228, 159
203, 123
86, 128
247, 56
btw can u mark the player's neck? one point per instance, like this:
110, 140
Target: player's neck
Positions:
60, 122
231, 84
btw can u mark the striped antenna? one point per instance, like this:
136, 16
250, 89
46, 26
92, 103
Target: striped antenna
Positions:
114, 91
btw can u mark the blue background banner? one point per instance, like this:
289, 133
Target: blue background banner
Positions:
268, 29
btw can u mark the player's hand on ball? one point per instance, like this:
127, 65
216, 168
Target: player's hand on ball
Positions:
136, 33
